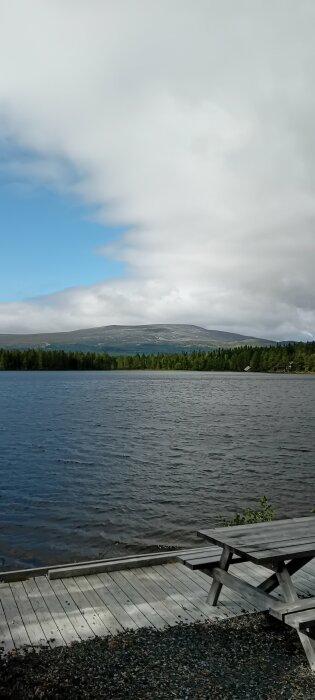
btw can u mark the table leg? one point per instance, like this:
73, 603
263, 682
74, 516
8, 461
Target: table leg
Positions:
215, 590
291, 595
292, 567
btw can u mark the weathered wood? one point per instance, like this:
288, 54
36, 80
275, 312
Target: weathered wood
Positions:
286, 608
230, 600
283, 534
71, 610
276, 524
43, 615
252, 543
213, 595
181, 583
152, 617
171, 592
31, 624
254, 595
118, 610
291, 596
169, 556
13, 618
6, 641
57, 612
90, 615
150, 597
208, 562
99, 606
110, 565
152, 583
272, 582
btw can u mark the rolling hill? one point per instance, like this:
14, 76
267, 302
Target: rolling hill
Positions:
133, 339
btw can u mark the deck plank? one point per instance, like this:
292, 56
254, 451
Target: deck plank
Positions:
171, 592
13, 618
133, 611
33, 628
99, 606
196, 598
57, 612
172, 605
86, 609
231, 600
153, 618
42, 613
112, 603
6, 642
150, 597
71, 610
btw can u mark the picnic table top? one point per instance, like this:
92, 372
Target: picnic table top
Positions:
272, 541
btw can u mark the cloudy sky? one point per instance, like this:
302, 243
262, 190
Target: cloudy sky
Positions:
158, 164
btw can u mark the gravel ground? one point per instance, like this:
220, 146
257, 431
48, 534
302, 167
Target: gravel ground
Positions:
244, 658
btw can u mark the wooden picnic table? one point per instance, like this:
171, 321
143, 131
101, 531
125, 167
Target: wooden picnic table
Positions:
283, 547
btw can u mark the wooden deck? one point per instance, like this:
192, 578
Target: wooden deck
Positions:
45, 610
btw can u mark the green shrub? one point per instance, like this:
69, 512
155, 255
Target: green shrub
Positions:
248, 516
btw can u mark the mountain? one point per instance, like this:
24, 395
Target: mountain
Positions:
126, 340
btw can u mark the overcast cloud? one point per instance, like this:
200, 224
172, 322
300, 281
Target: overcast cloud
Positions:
190, 121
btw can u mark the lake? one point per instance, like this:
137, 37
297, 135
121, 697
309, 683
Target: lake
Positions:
105, 463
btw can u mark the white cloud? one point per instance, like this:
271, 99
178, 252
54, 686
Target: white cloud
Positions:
192, 122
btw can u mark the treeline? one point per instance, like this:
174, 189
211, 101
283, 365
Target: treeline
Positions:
294, 357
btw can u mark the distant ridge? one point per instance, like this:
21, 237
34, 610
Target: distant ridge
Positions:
167, 338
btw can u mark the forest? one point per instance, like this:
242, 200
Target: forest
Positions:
289, 357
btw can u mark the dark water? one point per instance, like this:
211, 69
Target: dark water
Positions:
96, 464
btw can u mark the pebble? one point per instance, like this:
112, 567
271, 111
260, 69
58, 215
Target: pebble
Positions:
245, 658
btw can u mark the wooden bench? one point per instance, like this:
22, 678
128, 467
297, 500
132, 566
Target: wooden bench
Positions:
204, 559
300, 615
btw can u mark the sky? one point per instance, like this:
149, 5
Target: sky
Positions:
157, 165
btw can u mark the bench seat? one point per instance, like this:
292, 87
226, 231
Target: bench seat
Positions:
300, 614
204, 558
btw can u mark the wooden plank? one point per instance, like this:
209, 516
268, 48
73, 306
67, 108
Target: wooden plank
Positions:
71, 609
282, 553
152, 582
271, 583
57, 612
24, 574
216, 586
90, 615
99, 606
235, 602
291, 596
232, 603
13, 618
154, 604
285, 534
254, 526
268, 557
158, 605
171, 592
6, 641
254, 595
197, 554
112, 603
42, 613
303, 587
154, 620
31, 624
286, 608
133, 611
179, 584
